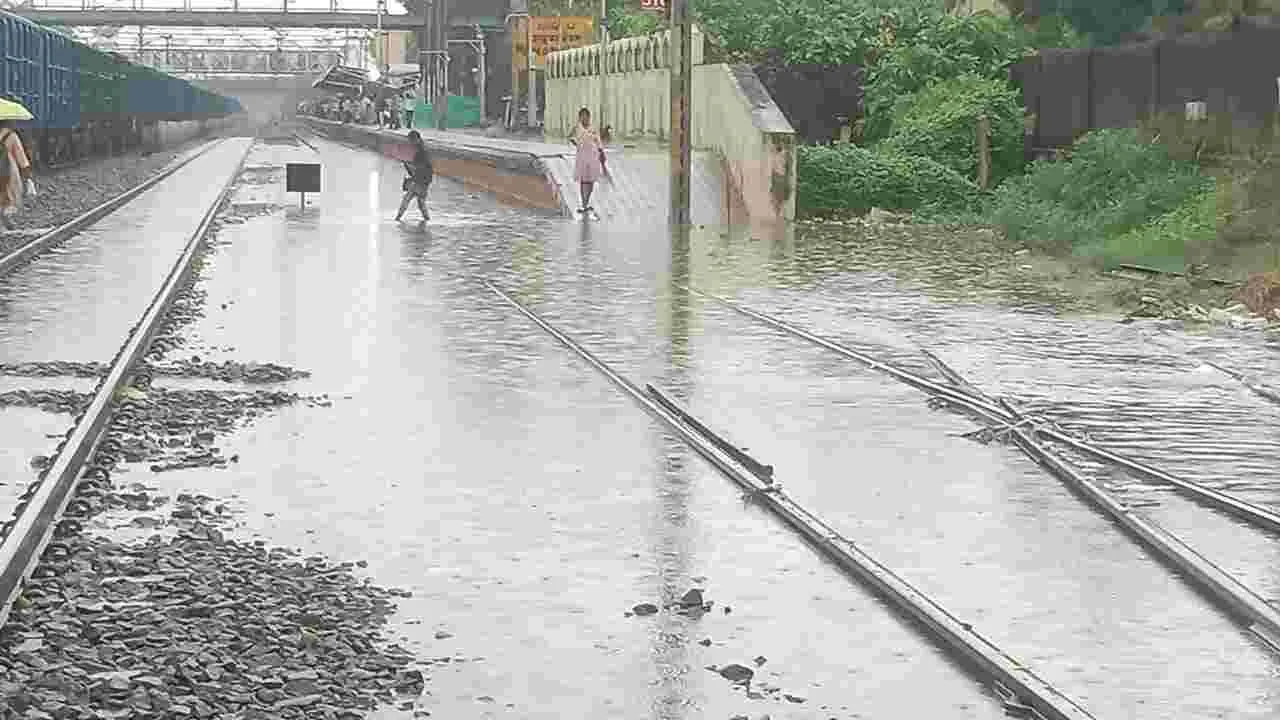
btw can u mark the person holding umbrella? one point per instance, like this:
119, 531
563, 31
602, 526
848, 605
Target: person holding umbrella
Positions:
420, 173
15, 166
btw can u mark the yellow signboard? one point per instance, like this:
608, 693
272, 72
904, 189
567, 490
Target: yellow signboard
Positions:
549, 34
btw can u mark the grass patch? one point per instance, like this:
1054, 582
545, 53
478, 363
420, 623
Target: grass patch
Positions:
1183, 236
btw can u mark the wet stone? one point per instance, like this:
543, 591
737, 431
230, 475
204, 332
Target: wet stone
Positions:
174, 429
51, 401
229, 371
196, 626
54, 369
737, 674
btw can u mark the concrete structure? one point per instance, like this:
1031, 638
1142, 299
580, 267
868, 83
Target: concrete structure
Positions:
540, 175
973, 7
225, 18
206, 61
733, 116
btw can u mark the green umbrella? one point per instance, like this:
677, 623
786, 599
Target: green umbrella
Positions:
10, 110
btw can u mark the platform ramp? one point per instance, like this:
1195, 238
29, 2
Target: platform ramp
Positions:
639, 188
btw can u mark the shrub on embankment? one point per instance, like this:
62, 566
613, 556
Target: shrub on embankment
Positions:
1112, 183
1170, 242
843, 179
941, 121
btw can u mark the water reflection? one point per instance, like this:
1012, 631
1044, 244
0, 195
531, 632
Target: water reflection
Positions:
528, 260
673, 536
414, 247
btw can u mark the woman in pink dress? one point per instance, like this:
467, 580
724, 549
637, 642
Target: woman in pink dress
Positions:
589, 164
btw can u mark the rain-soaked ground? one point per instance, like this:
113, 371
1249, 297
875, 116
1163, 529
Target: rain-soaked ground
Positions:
472, 460
78, 301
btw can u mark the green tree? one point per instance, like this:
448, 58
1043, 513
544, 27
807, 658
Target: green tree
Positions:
941, 121
1107, 21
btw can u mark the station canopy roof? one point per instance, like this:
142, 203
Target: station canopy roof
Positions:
343, 79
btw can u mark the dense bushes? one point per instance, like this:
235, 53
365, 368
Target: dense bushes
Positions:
848, 178
904, 45
1112, 183
941, 121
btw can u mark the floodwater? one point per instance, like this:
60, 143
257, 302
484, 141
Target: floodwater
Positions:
471, 459
79, 301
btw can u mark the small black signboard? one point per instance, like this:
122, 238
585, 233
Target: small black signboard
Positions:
302, 178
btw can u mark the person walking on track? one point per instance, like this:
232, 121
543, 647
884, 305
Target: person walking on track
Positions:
588, 166
15, 173
419, 179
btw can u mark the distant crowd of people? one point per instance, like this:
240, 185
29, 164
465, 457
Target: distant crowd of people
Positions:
383, 111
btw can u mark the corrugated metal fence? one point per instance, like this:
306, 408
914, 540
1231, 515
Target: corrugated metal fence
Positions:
1073, 91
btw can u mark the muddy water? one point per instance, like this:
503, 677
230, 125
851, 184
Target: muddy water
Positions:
471, 459
526, 504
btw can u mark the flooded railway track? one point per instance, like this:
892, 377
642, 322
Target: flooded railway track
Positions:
1019, 689
30, 249
41, 509
1003, 419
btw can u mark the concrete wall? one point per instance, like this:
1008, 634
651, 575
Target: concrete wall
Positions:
732, 115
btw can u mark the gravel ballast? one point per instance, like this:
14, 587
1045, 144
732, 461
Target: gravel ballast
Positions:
146, 606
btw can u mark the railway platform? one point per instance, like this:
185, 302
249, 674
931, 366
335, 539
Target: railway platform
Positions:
540, 174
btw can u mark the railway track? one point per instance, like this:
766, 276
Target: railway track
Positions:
30, 249
1004, 420
1001, 419
1019, 689
40, 511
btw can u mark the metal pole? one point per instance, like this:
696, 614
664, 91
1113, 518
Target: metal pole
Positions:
514, 103
382, 49
440, 109
681, 80
533, 80
602, 121
424, 53
483, 70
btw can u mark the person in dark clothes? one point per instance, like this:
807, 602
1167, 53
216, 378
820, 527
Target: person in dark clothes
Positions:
419, 179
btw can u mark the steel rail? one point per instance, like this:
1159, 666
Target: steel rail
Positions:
71, 227
1018, 686
31, 531
1238, 599
967, 396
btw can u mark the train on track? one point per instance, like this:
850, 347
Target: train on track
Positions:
88, 101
